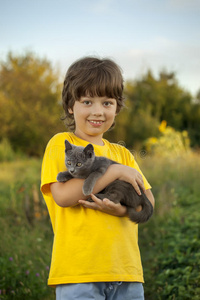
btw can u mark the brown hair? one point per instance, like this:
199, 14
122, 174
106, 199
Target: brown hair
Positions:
94, 77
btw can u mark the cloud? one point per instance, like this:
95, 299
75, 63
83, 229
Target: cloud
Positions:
184, 4
170, 55
101, 6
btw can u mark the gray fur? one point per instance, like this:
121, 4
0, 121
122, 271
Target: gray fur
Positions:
92, 167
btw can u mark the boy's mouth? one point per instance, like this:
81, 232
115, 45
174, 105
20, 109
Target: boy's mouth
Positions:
95, 122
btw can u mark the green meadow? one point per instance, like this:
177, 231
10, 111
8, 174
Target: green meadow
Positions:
160, 117
26, 234
169, 242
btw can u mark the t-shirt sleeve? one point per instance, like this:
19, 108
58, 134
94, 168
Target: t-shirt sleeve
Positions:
53, 163
146, 183
131, 162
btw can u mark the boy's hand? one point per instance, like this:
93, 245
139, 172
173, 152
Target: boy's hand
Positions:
132, 176
105, 206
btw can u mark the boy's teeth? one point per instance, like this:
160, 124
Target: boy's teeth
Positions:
96, 122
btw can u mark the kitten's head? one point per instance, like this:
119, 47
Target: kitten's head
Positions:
79, 160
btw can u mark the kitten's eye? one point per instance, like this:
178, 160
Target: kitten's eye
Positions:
69, 162
79, 164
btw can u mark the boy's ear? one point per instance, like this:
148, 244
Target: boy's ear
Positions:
70, 111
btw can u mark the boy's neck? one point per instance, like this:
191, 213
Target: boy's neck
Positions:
96, 140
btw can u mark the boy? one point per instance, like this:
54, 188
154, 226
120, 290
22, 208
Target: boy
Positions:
95, 250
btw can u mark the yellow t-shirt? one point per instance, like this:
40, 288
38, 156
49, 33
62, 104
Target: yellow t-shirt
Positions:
89, 245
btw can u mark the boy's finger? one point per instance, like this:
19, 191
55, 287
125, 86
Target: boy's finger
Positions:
108, 203
136, 187
95, 199
102, 203
140, 184
95, 205
87, 204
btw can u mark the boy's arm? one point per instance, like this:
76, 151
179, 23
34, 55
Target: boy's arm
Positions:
150, 196
112, 208
69, 193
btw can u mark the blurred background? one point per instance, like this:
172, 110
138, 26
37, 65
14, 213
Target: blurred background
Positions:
157, 45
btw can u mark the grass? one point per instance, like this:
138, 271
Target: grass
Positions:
169, 242
26, 242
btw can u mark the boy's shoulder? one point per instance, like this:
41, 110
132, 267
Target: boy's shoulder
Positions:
119, 148
118, 152
59, 139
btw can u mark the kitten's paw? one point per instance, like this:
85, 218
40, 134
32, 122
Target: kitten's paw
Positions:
87, 190
61, 177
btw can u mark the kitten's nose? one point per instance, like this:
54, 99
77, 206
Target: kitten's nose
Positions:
72, 171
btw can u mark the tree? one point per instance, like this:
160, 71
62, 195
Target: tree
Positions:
29, 102
194, 125
151, 100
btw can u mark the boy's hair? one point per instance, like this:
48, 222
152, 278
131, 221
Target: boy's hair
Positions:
94, 77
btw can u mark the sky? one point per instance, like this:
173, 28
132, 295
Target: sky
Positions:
138, 35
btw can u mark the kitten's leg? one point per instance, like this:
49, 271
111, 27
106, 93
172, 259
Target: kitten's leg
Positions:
64, 176
90, 182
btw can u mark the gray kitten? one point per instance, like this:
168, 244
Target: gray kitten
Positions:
82, 163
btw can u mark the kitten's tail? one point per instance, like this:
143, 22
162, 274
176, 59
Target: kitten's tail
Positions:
143, 215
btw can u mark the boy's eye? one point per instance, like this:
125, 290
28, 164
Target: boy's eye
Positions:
79, 164
108, 103
87, 102
69, 162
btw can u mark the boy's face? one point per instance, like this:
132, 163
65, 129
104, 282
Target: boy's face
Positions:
93, 116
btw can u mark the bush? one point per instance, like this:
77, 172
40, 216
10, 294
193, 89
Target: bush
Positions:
26, 239
24, 259
19, 280
170, 242
170, 142
6, 151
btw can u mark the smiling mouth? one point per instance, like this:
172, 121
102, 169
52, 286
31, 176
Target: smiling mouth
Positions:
95, 122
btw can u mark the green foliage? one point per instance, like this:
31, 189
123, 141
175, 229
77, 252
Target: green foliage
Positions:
194, 125
170, 241
24, 275
30, 94
26, 237
151, 100
6, 151
176, 261
169, 143
29, 102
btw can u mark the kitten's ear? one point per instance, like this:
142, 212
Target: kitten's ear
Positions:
68, 146
89, 150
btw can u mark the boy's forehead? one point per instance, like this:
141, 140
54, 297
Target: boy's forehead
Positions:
95, 97
95, 94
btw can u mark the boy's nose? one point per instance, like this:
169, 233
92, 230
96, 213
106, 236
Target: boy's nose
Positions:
97, 114
97, 110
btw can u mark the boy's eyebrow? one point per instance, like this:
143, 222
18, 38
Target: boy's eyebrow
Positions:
85, 97
90, 97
